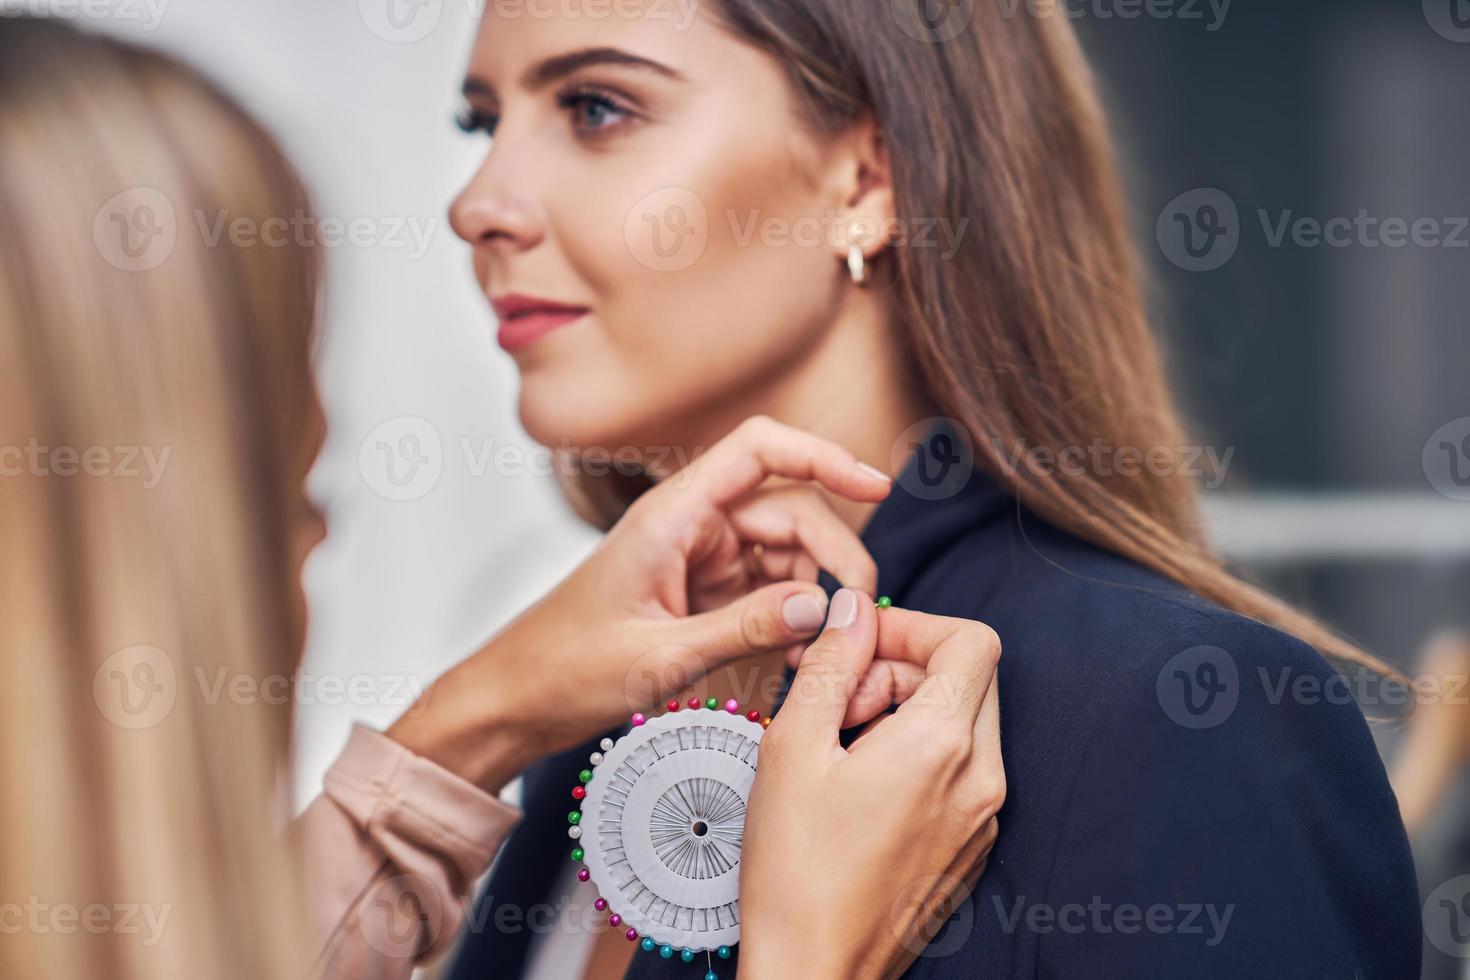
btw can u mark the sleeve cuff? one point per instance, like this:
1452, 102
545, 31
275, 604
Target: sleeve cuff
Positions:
386, 787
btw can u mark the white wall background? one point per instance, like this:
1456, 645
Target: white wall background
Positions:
402, 588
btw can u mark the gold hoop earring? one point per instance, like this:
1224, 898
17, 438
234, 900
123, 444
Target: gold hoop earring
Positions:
857, 266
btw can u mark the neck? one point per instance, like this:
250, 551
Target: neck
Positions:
851, 388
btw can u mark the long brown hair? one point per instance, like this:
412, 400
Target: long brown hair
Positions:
151, 411
1034, 333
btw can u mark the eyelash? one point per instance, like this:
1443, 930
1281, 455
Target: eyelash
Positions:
579, 98
472, 121
573, 100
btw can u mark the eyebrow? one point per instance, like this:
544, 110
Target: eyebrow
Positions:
554, 69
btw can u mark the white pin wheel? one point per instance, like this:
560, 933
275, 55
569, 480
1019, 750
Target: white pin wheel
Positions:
662, 821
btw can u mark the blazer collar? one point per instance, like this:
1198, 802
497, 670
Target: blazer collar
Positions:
940, 494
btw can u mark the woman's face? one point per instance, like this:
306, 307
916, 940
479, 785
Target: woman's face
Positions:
652, 223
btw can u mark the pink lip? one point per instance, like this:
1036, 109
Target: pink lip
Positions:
526, 319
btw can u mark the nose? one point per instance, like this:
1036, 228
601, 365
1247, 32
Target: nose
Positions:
488, 213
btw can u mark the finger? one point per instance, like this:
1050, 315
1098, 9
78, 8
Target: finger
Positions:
868, 727
959, 657
762, 447
797, 517
774, 564
987, 755
770, 618
830, 669
886, 683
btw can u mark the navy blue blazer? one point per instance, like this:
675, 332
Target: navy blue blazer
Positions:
1185, 800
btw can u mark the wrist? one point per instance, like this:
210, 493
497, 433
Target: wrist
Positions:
797, 960
459, 725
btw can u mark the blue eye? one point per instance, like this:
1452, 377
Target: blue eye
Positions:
474, 121
592, 112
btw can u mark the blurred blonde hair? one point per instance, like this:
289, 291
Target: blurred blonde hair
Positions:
129, 780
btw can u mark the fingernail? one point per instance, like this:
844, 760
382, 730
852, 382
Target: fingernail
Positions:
803, 613
843, 611
874, 471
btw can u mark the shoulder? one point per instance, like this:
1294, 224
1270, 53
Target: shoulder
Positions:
1069, 612
1186, 757
1114, 655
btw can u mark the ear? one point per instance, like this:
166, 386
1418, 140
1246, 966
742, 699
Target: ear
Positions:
865, 188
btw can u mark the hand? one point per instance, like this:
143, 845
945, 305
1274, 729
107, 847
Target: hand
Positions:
852, 855
675, 590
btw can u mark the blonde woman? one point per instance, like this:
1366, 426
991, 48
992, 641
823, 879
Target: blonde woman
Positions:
141, 823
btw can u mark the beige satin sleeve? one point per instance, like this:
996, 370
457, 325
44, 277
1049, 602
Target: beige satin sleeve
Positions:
393, 847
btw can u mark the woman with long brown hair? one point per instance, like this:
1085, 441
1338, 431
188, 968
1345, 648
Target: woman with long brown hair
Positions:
898, 224
157, 420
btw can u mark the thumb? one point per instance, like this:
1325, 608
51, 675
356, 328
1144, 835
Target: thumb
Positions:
831, 669
769, 618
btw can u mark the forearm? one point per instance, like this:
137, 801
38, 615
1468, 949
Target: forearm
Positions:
460, 724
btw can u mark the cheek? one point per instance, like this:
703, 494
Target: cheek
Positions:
713, 271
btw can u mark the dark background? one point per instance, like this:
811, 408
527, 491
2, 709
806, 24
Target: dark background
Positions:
1326, 368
